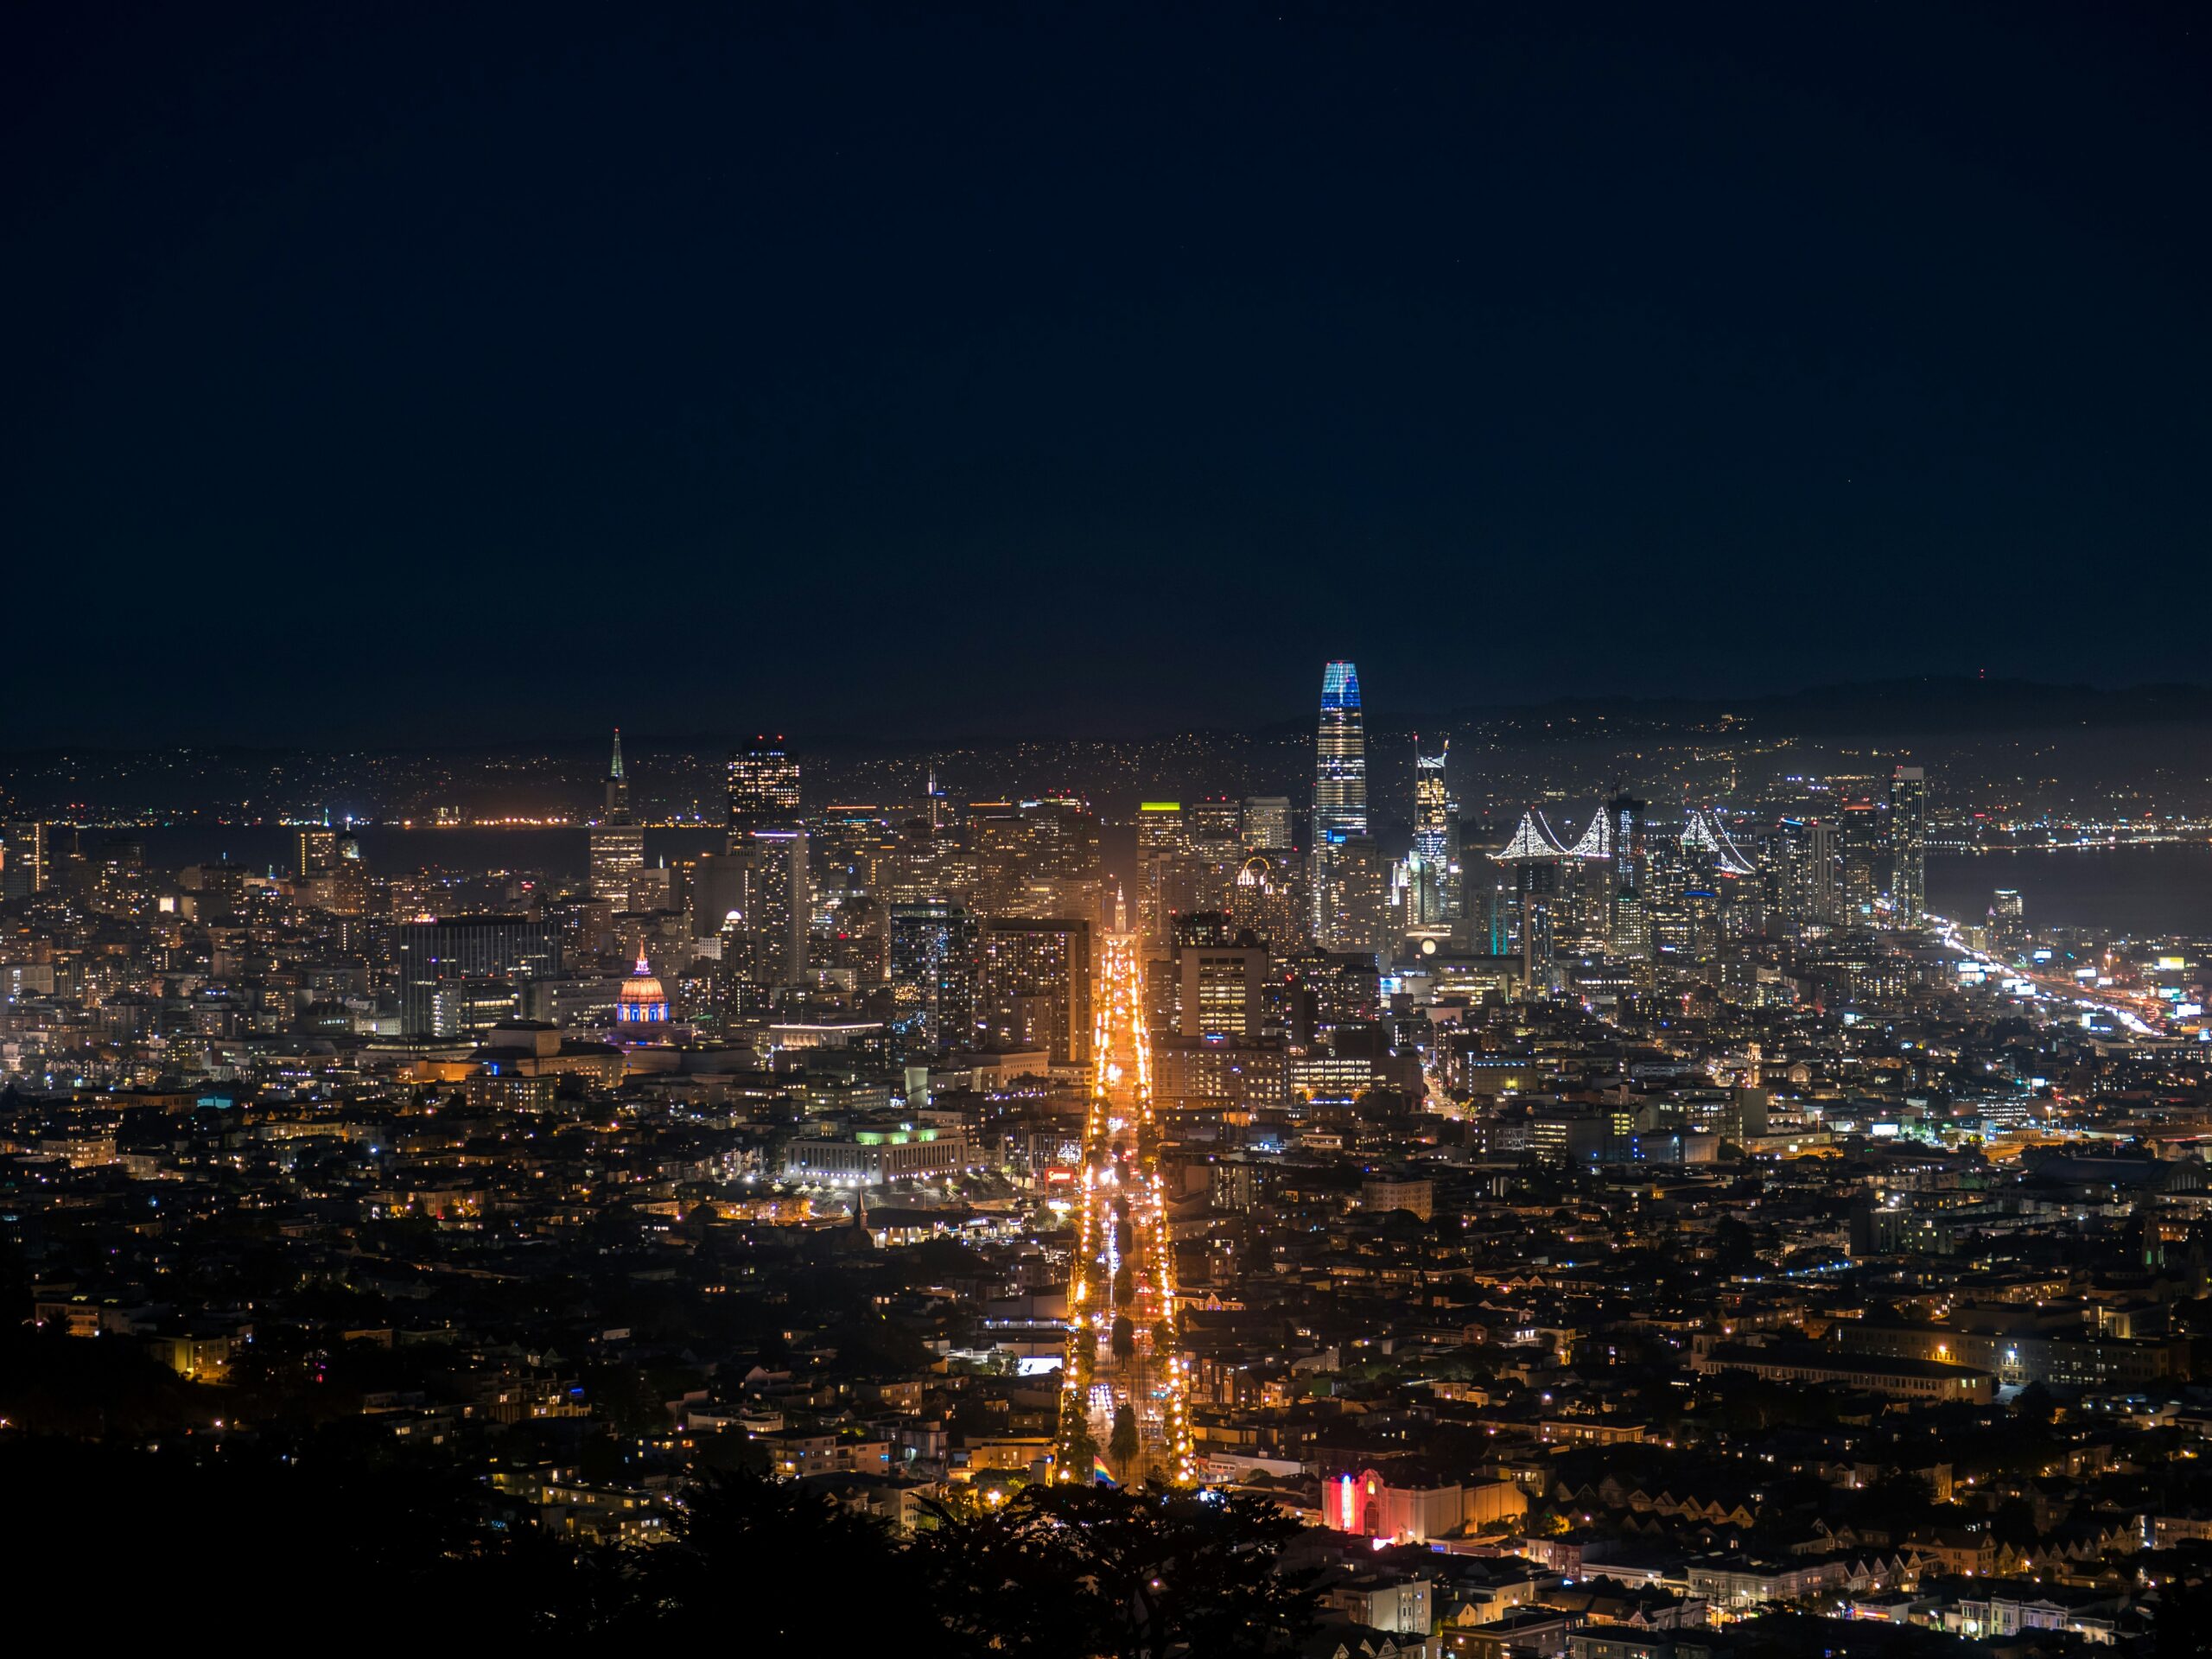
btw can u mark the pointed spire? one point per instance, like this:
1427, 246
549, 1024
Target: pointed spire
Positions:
1121, 909
615, 770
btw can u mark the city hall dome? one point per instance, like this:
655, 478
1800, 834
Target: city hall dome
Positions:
642, 1001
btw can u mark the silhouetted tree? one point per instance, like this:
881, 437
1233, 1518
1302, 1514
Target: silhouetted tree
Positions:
1122, 1448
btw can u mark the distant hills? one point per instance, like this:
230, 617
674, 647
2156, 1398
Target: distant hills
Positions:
1928, 704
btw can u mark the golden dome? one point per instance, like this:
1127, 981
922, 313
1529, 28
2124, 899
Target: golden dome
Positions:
641, 1001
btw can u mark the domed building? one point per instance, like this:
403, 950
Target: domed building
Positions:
641, 1002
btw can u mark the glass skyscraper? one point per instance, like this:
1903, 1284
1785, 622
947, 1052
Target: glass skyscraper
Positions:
1909, 846
1339, 802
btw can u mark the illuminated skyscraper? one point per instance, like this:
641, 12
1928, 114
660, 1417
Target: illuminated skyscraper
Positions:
934, 970
1860, 840
617, 846
1434, 868
1339, 797
1266, 899
778, 916
1037, 858
1810, 894
1167, 875
765, 830
26, 871
1267, 822
1909, 846
1221, 975
763, 789
1355, 894
317, 853
1628, 927
1033, 983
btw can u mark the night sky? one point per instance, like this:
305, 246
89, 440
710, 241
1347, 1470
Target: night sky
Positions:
389, 375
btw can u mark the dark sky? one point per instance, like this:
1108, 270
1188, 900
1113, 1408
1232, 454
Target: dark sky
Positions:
391, 374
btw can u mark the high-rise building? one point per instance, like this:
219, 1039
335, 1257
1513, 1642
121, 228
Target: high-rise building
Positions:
1036, 858
1266, 899
316, 850
617, 845
1628, 928
1034, 985
1221, 978
2008, 919
933, 976
1433, 869
1267, 823
1810, 890
458, 973
763, 789
1217, 827
1169, 875
1909, 846
27, 870
777, 916
766, 833
1859, 855
1339, 800
1355, 880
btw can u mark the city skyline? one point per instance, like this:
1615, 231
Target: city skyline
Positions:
1311, 831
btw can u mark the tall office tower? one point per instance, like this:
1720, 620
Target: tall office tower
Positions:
1810, 892
1436, 840
1065, 878
1859, 860
457, 974
995, 837
765, 830
617, 846
1221, 975
778, 914
1266, 900
1033, 986
763, 789
1628, 928
1339, 793
2008, 919
27, 870
1166, 883
1909, 846
1267, 822
316, 851
1216, 826
1355, 880
933, 973
846, 847
1037, 858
